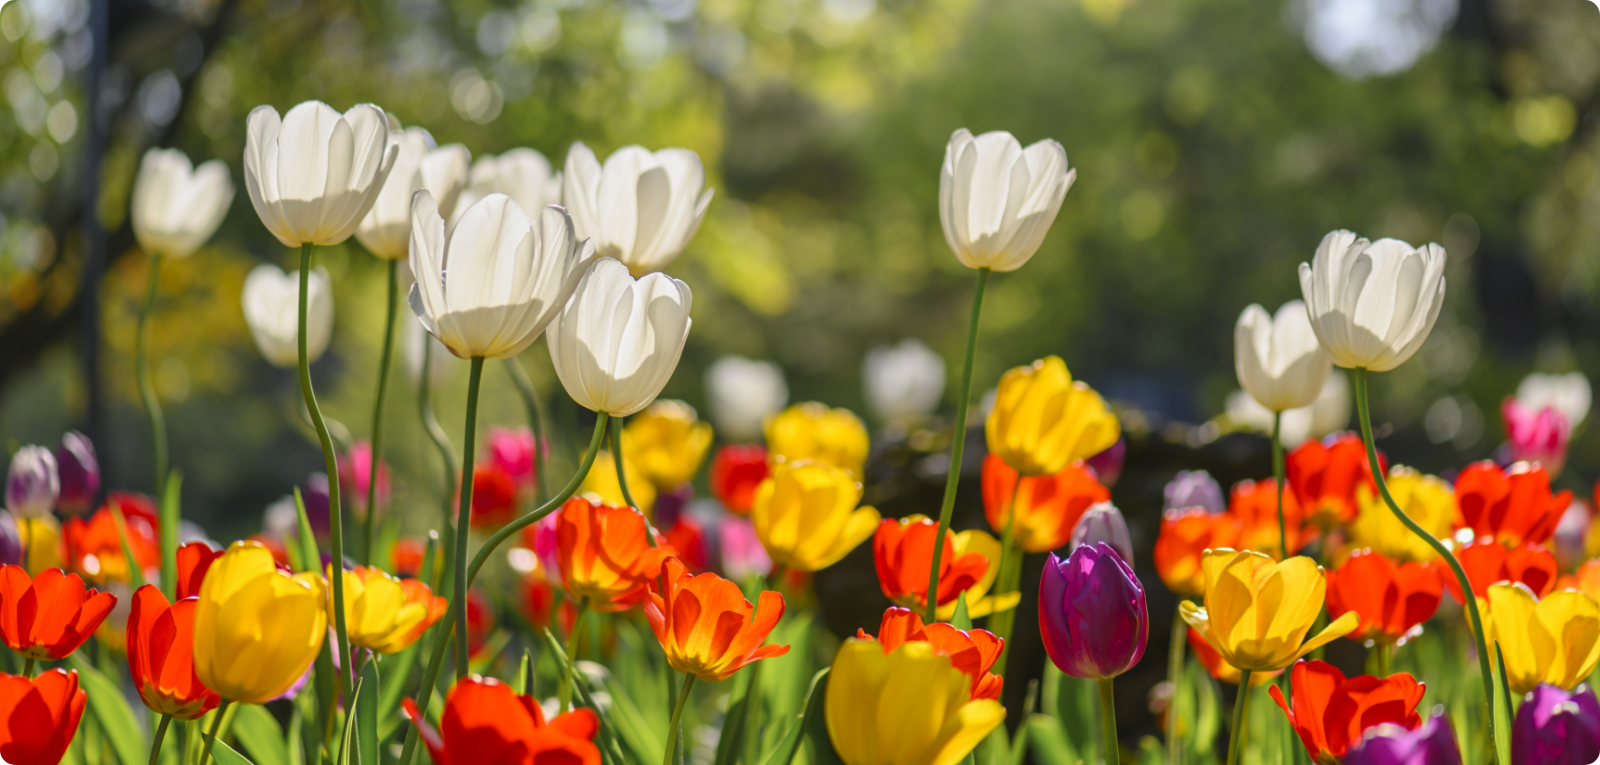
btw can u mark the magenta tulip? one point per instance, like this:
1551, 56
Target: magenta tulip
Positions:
1557, 727
1433, 743
1092, 613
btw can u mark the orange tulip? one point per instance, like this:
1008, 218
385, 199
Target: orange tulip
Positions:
1391, 599
407, 556
1048, 506
94, 547
161, 655
1219, 667
605, 554
1585, 580
1185, 536
707, 628
1488, 562
484, 721
1324, 477
1255, 504
48, 616
1513, 506
194, 560
39, 717
973, 652
1330, 711
903, 552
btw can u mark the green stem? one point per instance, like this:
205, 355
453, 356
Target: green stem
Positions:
216, 724
330, 458
464, 514
616, 461
1278, 478
1001, 622
1473, 617
1108, 715
530, 400
677, 719
377, 417
957, 446
574, 641
1240, 702
1180, 630
752, 717
147, 385
161, 735
27, 668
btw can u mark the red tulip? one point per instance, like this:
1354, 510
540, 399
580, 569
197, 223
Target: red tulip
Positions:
1330, 711
161, 655
971, 651
94, 546
1324, 477
1513, 506
485, 722
194, 560
1255, 504
39, 717
1488, 562
494, 497
47, 617
1391, 599
736, 472
408, 555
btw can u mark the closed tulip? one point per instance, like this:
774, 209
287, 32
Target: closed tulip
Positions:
1277, 357
1193, 488
1042, 420
523, 174
1569, 394
161, 655
315, 173
49, 616
813, 431
1428, 500
806, 515
705, 625
641, 208
605, 554
513, 451
484, 721
997, 199
1487, 562
32, 482
177, 206
1555, 640
902, 381
257, 628
668, 442
78, 469
736, 472
1391, 599
194, 562
1092, 613
1330, 711
420, 164
908, 706
618, 340
39, 716
510, 273
741, 550
903, 553
973, 652
381, 613
271, 302
1432, 743
742, 394
1047, 507
1324, 477
1557, 727
1372, 303
1514, 505
1185, 537
1536, 435
10, 540
1104, 523
1258, 611
494, 497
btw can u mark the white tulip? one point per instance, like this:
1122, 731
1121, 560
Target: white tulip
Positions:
618, 340
271, 302
640, 208
1372, 304
1568, 394
1277, 358
386, 230
498, 279
903, 381
177, 207
1329, 413
415, 338
997, 199
742, 393
522, 174
315, 173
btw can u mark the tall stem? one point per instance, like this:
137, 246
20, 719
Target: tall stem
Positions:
574, 642
377, 417
1473, 617
1108, 715
161, 735
330, 459
677, 719
216, 724
1001, 622
957, 446
1240, 703
147, 385
1180, 630
530, 400
464, 514
1277, 477
616, 461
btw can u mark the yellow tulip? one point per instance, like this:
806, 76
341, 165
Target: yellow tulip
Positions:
805, 514
667, 443
812, 431
257, 629
41, 537
1258, 610
1042, 420
601, 484
1555, 640
382, 613
909, 706
1428, 500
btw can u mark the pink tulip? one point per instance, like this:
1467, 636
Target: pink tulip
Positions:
1536, 435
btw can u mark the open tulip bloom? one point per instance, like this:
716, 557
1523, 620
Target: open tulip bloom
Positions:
314, 173
641, 208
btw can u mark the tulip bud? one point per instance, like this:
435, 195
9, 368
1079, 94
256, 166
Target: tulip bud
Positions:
1104, 523
513, 452
253, 654
813, 431
1553, 640
79, 470
32, 485
1350, 279
1557, 727
177, 207
997, 199
667, 441
10, 540
442, 171
904, 381
742, 553
742, 394
1092, 613
1568, 394
1107, 465
1536, 435
355, 477
522, 174
271, 304
1193, 488
1043, 420
1434, 743
640, 207
870, 695
618, 366
314, 174
1277, 358
736, 472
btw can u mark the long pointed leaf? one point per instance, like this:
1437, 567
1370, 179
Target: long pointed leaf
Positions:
367, 714
225, 755
260, 735
171, 518
789, 746
608, 741
111, 710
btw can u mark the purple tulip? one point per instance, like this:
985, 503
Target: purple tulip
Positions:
1107, 465
10, 540
1092, 613
33, 484
1570, 540
315, 496
1104, 523
79, 470
1432, 743
1194, 488
670, 504
1557, 727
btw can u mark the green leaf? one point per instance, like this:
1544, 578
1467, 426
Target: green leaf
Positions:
731, 742
815, 724
397, 675
367, 714
111, 710
962, 619
171, 519
789, 746
1049, 742
608, 741
260, 734
225, 755
1502, 710
1019, 746
310, 559
348, 753
524, 673
135, 574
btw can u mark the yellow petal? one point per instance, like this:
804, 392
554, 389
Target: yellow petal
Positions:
1527, 648
860, 670
969, 725
1340, 627
1573, 619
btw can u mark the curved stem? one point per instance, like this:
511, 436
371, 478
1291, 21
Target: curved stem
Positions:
1474, 618
330, 459
574, 641
1008, 581
161, 735
616, 461
1108, 716
1278, 478
1240, 703
677, 719
530, 400
377, 417
1180, 630
147, 385
216, 724
464, 514
957, 446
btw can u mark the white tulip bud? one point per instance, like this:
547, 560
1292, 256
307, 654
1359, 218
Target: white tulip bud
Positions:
386, 231
618, 340
522, 174
176, 207
641, 208
903, 381
271, 303
742, 393
1278, 359
315, 173
997, 199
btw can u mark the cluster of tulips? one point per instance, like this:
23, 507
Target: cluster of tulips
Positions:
352, 650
